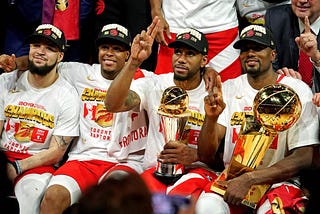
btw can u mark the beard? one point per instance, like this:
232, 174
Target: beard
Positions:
179, 77
42, 70
252, 71
189, 76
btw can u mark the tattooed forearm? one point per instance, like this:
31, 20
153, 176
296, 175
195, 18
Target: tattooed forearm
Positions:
132, 101
62, 141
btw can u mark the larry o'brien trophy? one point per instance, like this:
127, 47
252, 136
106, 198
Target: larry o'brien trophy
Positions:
174, 117
276, 108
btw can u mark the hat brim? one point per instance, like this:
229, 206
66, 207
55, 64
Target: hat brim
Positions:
240, 43
34, 38
176, 44
105, 40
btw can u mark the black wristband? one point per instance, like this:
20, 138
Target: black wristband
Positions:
17, 167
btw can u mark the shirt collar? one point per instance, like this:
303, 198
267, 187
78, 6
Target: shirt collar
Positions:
315, 26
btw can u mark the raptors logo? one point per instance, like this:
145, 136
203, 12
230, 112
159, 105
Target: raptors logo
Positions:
62, 5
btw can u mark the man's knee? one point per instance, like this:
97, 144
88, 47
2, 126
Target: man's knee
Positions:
208, 202
56, 197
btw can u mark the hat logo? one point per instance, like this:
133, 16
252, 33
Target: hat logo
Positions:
47, 32
114, 32
250, 33
186, 36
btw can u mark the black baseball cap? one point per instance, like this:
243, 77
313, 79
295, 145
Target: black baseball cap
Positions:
255, 33
114, 32
51, 33
192, 38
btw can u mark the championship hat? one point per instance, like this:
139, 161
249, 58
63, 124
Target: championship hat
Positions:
51, 33
192, 38
114, 32
255, 33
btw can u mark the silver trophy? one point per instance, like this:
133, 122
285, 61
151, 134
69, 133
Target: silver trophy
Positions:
174, 117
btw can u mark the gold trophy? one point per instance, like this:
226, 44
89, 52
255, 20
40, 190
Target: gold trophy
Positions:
174, 117
276, 108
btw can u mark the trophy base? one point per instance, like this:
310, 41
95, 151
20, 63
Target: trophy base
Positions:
167, 179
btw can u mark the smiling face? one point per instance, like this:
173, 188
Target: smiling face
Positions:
256, 59
43, 57
303, 8
112, 57
187, 62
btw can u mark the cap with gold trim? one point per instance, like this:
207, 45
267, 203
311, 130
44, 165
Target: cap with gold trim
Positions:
51, 33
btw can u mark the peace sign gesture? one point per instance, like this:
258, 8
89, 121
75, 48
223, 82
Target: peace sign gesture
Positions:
142, 43
213, 103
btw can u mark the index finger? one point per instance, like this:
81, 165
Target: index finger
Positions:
306, 25
217, 89
152, 30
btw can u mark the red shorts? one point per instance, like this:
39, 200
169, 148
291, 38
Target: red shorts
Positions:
88, 173
191, 183
281, 198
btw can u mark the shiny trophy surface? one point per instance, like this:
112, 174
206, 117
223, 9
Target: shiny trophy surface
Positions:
276, 108
174, 117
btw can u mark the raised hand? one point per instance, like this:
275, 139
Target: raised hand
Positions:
213, 103
163, 29
142, 44
307, 41
7, 62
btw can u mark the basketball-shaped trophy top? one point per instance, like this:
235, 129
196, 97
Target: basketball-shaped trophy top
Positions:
174, 101
277, 107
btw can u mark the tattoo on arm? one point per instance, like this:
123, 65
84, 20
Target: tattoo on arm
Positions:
63, 142
132, 101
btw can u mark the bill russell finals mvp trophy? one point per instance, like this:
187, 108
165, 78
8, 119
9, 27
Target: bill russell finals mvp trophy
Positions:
174, 117
276, 108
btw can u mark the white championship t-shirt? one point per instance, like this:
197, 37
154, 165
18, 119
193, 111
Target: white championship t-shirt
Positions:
239, 95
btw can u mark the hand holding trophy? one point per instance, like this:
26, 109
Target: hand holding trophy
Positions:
276, 108
174, 117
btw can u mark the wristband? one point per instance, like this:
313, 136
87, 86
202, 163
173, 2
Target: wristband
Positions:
17, 167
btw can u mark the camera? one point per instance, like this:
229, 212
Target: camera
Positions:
168, 204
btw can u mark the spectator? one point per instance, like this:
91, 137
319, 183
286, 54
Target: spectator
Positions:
75, 18
22, 18
217, 19
36, 131
286, 22
291, 151
253, 11
189, 58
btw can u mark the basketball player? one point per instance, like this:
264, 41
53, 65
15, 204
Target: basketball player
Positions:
108, 143
38, 118
189, 58
291, 151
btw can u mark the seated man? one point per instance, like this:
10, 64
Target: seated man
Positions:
188, 61
291, 150
108, 142
39, 117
